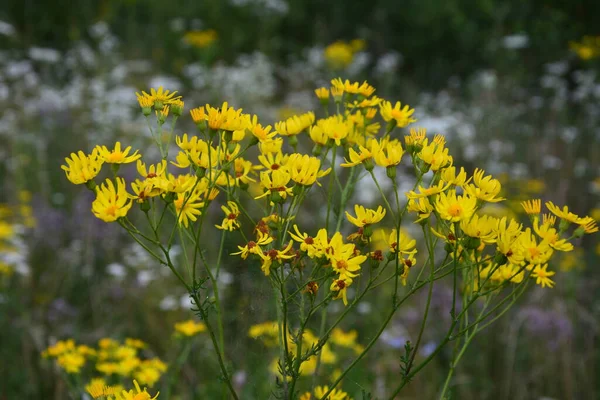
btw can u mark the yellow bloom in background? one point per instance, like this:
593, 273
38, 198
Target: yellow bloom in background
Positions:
230, 222
117, 156
305, 170
542, 276
588, 48
339, 55
455, 208
190, 328
365, 216
82, 168
111, 202
402, 116
336, 394
201, 39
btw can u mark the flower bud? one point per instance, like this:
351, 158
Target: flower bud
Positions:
145, 205
91, 184
471, 243
367, 231
169, 197
368, 163
391, 172
500, 259
276, 197
317, 150
200, 172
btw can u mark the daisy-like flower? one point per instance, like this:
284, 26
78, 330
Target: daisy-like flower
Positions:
387, 153
198, 114
159, 97
550, 235
138, 394
254, 247
486, 188
304, 169
588, 225
295, 124
427, 192
98, 388
340, 286
483, 228
450, 176
532, 207
403, 243
275, 256
542, 276
421, 206
117, 156
363, 89
307, 243
187, 207
82, 168
153, 170
365, 216
435, 155
402, 116
275, 182
273, 161
111, 202
225, 118
563, 214
335, 128
455, 208
534, 252
356, 158
190, 327
415, 138
322, 93
230, 222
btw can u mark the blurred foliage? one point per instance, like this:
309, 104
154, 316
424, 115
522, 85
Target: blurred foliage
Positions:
436, 38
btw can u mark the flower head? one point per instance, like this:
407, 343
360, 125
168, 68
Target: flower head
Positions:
117, 156
82, 168
230, 222
189, 328
402, 116
111, 202
455, 208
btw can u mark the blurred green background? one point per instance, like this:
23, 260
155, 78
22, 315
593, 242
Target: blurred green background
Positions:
513, 85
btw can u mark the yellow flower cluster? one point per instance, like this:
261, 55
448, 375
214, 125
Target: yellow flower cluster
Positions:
189, 328
320, 391
268, 333
110, 358
12, 220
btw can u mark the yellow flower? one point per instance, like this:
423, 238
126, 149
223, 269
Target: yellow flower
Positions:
427, 192
198, 114
82, 168
336, 394
455, 208
365, 216
304, 170
357, 158
550, 235
421, 206
402, 116
483, 228
190, 327
436, 155
322, 93
230, 222
225, 118
341, 286
588, 225
344, 339
97, 388
486, 188
532, 207
295, 124
153, 170
201, 39
111, 203
542, 276
275, 182
416, 137
387, 153
159, 97
450, 176
71, 362
117, 156
254, 247
339, 55
532, 251
187, 207
363, 89
274, 255
138, 394
563, 214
